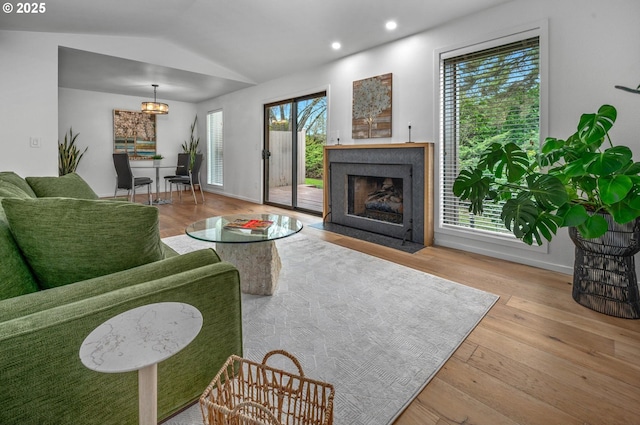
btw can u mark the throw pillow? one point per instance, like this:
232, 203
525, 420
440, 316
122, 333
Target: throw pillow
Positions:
10, 190
15, 277
13, 178
68, 186
67, 240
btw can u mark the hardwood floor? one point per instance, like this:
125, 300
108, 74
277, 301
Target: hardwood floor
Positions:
536, 358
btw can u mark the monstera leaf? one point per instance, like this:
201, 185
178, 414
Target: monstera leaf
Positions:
548, 191
614, 189
611, 161
522, 217
572, 214
632, 170
472, 186
505, 161
575, 168
546, 225
519, 216
551, 151
624, 212
592, 128
593, 227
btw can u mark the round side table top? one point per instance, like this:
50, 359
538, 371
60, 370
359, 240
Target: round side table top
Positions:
140, 337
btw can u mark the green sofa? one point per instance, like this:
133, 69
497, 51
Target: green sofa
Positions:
69, 262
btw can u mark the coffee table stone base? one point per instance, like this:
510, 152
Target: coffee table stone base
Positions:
258, 263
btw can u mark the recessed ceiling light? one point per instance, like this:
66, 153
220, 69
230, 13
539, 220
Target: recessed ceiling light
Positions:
335, 45
391, 25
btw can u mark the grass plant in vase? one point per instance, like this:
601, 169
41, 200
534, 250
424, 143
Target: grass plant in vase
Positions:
69, 155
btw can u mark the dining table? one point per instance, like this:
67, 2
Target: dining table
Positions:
157, 165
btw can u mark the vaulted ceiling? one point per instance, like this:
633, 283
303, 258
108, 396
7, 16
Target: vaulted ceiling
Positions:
258, 39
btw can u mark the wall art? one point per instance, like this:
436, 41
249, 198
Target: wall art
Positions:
134, 133
372, 107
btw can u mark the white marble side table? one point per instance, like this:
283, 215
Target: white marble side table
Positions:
139, 339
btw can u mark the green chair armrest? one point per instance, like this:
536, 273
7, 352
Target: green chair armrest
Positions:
30, 303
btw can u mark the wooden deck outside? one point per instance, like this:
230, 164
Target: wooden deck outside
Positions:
309, 197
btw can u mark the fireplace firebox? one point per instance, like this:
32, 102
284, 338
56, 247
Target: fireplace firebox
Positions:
362, 198
377, 198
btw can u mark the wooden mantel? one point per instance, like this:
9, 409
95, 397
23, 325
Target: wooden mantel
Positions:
428, 173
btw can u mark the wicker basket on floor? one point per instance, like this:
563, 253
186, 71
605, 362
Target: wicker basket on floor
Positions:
246, 392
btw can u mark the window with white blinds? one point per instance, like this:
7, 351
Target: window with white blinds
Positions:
215, 148
490, 95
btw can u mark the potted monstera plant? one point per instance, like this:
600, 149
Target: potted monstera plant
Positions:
585, 183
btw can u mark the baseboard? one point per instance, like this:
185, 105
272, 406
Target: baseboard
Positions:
561, 268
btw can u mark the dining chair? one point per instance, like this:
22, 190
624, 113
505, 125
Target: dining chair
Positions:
182, 168
125, 180
191, 180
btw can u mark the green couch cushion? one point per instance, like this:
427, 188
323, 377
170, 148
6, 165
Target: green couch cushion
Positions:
11, 190
13, 178
15, 277
8, 189
67, 240
68, 186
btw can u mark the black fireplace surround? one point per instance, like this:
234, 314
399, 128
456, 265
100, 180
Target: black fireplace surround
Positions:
402, 168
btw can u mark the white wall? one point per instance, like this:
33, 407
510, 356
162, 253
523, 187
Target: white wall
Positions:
90, 114
592, 46
28, 103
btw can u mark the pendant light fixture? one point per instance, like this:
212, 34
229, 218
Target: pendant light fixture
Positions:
155, 107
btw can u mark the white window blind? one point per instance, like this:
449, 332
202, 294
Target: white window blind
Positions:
215, 148
488, 96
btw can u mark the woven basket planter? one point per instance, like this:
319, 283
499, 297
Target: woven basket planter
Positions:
604, 275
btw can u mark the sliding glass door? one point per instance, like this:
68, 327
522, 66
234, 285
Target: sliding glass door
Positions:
295, 133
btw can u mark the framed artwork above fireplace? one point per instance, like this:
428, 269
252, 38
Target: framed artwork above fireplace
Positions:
372, 107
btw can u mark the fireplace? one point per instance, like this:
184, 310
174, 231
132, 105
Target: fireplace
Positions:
380, 189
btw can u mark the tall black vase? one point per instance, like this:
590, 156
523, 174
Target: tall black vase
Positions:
604, 274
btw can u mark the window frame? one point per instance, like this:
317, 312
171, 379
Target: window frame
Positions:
504, 37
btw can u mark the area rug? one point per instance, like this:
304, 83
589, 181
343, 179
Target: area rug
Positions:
376, 330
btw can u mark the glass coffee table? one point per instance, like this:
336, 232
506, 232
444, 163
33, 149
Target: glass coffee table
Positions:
247, 241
